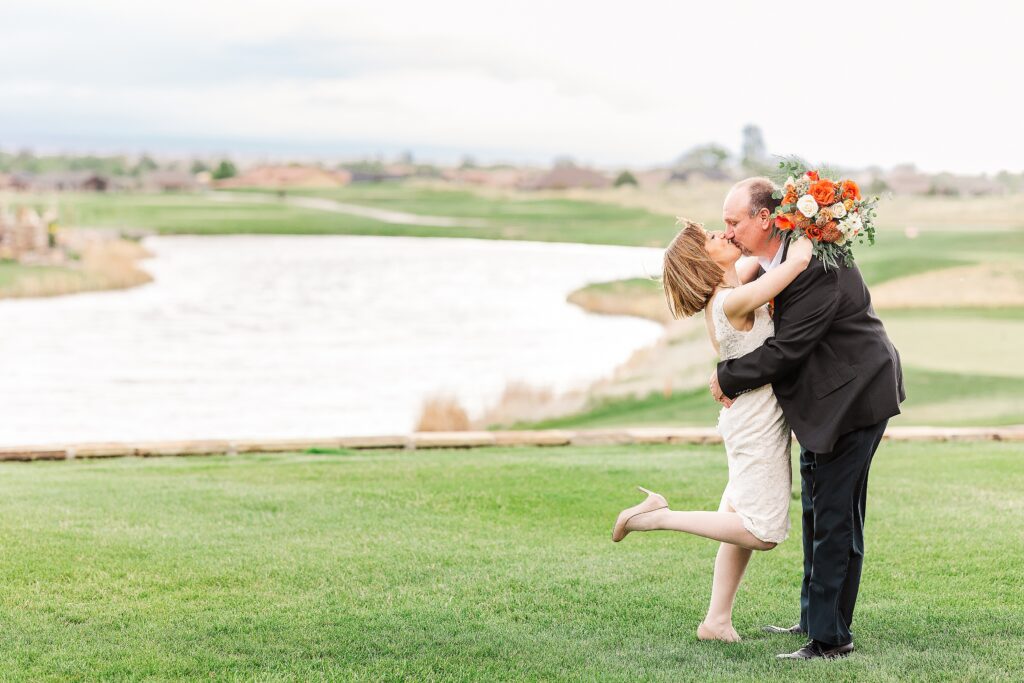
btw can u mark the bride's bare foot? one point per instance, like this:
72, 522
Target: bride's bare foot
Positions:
639, 517
724, 632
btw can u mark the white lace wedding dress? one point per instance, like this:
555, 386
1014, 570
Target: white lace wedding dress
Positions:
756, 435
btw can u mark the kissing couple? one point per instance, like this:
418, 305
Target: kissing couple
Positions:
801, 349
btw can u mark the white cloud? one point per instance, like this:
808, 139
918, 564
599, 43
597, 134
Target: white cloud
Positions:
885, 83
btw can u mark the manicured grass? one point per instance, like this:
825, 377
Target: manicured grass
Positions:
197, 214
521, 216
546, 220
969, 345
933, 398
894, 255
484, 564
951, 314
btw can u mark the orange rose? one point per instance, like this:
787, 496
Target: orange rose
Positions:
823, 191
850, 190
785, 222
814, 232
831, 232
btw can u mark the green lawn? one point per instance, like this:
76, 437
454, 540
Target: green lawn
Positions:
934, 397
484, 564
523, 216
546, 220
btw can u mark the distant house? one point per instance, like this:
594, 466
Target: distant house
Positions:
980, 185
908, 180
376, 173
567, 176
122, 183
486, 177
690, 174
282, 177
19, 181
169, 181
74, 181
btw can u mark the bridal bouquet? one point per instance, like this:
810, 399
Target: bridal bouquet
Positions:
825, 208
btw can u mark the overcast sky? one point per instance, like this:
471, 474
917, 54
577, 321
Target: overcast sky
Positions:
607, 83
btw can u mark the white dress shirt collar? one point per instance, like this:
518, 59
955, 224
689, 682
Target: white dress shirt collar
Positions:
768, 264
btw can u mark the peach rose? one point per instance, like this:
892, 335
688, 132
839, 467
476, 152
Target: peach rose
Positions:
850, 190
823, 191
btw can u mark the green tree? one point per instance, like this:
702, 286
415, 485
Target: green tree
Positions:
754, 157
625, 178
710, 157
225, 169
144, 165
878, 186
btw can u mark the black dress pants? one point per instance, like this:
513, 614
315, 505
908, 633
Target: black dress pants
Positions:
835, 488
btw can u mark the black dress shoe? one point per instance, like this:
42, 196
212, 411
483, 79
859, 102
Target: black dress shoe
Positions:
792, 630
815, 650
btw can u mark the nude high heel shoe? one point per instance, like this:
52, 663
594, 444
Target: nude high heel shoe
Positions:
654, 501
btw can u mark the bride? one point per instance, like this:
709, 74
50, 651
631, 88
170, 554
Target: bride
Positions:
700, 273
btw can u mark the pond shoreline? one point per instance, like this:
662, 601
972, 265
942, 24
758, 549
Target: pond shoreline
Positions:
108, 264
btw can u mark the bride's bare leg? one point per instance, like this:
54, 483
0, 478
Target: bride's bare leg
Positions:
730, 564
726, 527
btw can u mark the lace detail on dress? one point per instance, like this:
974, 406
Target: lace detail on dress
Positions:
733, 343
756, 435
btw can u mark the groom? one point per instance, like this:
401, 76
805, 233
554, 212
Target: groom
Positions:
838, 379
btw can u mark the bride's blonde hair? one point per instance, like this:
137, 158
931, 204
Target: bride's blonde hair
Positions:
690, 276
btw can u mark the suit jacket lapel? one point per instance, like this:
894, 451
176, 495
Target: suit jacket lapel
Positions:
780, 300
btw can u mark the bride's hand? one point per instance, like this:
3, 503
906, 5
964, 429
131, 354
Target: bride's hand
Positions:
801, 250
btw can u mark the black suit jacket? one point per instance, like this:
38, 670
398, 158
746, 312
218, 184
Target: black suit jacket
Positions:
830, 363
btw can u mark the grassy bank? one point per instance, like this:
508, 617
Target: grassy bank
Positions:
105, 265
479, 565
937, 398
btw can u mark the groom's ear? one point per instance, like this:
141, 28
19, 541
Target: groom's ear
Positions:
765, 216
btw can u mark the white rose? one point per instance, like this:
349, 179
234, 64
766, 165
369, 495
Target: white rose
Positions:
807, 205
851, 225
837, 210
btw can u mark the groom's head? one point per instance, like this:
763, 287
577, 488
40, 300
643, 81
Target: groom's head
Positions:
747, 214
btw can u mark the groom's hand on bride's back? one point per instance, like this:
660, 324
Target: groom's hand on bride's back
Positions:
716, 390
